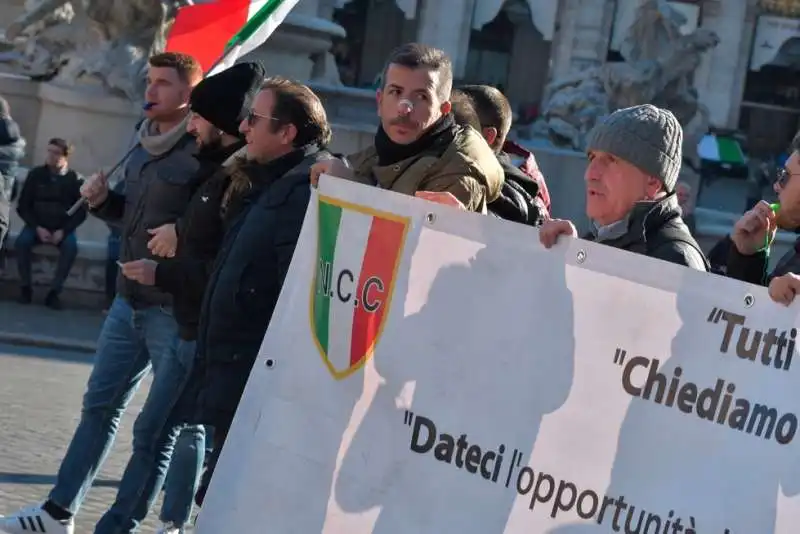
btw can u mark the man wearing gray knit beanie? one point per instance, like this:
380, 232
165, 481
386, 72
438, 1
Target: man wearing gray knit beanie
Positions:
635, 157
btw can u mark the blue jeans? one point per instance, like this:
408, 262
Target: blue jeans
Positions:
68, 251
130, 341
184, 472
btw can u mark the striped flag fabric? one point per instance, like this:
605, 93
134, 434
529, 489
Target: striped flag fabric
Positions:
220, 32
721, 149
359, 251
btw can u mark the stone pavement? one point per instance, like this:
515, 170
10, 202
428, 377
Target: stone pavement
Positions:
40, 398
35, 325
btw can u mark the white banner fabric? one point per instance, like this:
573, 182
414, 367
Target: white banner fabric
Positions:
434, 371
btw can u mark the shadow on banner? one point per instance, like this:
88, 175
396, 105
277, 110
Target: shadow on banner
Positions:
675, 470
489, 353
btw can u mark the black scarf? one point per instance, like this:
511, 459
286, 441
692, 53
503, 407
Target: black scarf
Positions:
439, 135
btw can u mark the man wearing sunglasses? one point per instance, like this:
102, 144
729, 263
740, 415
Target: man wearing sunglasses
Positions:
752, 235
286, 132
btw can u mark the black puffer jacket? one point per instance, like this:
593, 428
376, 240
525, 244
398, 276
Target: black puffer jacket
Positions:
12, 146
200, 232
754, 268
519, 199
46, 196
655, 229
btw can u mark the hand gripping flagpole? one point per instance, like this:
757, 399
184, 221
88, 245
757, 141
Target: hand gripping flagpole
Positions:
83, 200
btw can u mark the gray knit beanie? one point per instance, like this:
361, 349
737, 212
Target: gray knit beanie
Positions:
645, 136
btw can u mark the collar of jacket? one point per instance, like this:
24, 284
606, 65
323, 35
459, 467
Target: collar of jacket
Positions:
218, 154
510, 168
261, 173
643, 218
436, 139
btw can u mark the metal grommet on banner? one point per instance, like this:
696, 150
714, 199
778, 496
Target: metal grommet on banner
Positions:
270, 363
430, 218
749, 300
581, 256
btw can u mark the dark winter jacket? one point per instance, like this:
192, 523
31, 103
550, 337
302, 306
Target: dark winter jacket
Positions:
45, 198
530, 168
200, 232
247, 279
754, 268
519, 199
12, 146
656, 229
157, 191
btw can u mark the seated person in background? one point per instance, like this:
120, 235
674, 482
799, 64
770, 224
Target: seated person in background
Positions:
634, 161
419, 148
49, 191
519, 199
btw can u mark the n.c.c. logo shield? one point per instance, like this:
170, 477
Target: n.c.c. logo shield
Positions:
358, 254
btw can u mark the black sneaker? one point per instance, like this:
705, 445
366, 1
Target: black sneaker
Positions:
25, 295
52, 301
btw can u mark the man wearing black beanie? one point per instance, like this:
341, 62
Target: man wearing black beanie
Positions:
218, 105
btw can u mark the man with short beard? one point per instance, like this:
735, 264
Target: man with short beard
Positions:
139, 330
188, 248
748, 258
419, 147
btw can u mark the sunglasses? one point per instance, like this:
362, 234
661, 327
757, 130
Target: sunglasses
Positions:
252, 117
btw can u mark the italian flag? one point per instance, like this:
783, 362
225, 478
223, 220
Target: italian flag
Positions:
220, 32
358, 253
721, 149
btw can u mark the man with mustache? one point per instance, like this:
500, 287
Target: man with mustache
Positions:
748, 258
418, 146
634, 159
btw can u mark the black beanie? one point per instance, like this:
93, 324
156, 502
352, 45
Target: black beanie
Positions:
225, 98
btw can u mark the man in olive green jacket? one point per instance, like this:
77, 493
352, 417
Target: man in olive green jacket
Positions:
418, 146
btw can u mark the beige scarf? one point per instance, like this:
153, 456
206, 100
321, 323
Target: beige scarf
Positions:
157, 143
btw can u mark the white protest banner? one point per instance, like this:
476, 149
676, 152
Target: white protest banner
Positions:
429, 370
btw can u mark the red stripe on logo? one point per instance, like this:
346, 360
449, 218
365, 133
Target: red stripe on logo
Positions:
384, 246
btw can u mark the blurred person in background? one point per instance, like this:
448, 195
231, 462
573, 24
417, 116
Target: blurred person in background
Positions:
49, 191
12, 151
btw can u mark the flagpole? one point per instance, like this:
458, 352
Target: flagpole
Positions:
220, 59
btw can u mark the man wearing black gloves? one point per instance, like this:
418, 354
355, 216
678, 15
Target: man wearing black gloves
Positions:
218, 105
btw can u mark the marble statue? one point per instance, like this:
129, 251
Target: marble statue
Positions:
659, 62
100, 42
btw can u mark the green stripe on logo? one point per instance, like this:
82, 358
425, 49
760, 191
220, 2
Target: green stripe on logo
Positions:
329, 218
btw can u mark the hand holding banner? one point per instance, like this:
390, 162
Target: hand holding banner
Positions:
416, 378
